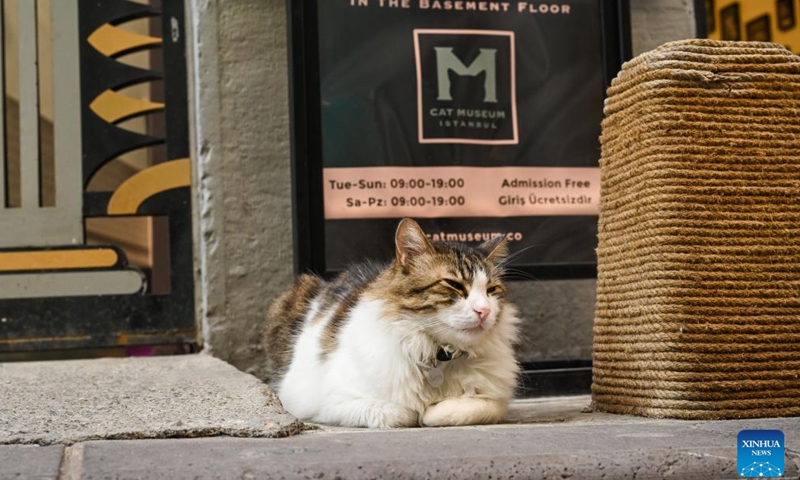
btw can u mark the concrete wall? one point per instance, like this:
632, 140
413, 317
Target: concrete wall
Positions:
241, 145
241, 148
654, 22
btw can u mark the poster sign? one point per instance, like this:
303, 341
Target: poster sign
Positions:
476, 118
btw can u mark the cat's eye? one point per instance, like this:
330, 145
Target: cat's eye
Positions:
456, 285
493, 289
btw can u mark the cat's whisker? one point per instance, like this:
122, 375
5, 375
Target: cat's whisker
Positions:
516, 273
422, 326
513, 256
413, 332
434, 328
500, 268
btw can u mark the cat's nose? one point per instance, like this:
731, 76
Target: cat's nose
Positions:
482, 313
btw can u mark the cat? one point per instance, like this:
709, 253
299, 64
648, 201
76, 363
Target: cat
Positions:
425, 341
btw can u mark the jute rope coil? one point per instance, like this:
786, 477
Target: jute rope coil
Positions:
698, 286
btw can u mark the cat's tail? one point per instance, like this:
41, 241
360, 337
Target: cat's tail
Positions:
285, 319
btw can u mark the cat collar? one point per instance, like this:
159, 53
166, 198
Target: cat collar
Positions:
432, 372
445, 353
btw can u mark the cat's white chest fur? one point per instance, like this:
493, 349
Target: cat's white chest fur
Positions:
372, 378
368, 362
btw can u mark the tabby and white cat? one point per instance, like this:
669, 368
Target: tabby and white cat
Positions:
427, 340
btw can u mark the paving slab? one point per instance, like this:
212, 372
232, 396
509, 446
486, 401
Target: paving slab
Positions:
126, 398
30, 461
596, 450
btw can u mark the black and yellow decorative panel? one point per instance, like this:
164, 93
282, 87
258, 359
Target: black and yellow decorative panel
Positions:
754, 20
96, 244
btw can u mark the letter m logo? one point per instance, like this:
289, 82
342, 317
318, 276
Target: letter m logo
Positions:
466, 86
446, 61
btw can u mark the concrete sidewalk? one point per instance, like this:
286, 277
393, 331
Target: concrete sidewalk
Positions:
127, 398
582, 450
56, 419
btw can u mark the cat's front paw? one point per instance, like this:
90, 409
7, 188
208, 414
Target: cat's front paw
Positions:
395, 416
367, 412
464, 411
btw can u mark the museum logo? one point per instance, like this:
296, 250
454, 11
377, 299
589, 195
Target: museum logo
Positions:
466, 90
760, 453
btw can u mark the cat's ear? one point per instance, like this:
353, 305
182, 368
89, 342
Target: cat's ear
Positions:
496, 248
410, 242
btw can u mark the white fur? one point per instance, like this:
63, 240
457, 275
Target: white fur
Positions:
374, 377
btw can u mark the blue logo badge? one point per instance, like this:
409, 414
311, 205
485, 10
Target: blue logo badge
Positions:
760, 453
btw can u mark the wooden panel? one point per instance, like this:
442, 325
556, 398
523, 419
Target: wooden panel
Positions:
112, 41
131, 234
28, 104
70, 284
58, 259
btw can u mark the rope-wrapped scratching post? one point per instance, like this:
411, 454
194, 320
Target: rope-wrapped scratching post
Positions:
698, 287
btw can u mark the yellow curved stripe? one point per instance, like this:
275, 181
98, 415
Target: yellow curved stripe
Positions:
127, 199
110, 40
57, 259
112, 106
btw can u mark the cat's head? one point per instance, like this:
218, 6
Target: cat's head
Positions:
454, 290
